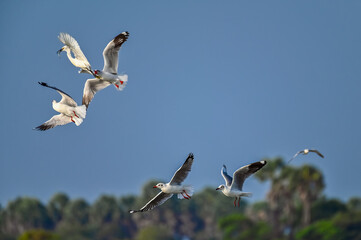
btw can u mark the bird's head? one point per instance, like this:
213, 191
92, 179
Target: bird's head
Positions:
221, 187
61, 49
98, 73
159, 185
306, 151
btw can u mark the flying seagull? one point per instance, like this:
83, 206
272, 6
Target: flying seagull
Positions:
305, 152
173, 187
68, 109
109, 74
72, 46
233, 187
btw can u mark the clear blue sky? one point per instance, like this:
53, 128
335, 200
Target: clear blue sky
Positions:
232, 82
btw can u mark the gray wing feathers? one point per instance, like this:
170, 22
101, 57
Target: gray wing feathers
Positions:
183, 171
73, 45
155, 202
226, 177
316, 151
66, 99
295, 156
241, 174
91, 87
56, 120
111, 52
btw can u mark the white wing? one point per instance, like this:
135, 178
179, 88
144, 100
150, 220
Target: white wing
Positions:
56, 120
80, 60
228, 179
91, 87
111, 52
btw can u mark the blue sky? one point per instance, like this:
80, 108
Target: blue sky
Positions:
232, 82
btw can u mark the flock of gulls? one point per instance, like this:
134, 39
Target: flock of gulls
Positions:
67, 107
71, 112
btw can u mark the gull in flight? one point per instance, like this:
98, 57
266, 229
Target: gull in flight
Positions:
305, 152
72, 46
109, 74
68, 109
173, 187
233, 187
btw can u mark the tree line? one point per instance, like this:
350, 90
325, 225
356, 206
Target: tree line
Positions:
295, 208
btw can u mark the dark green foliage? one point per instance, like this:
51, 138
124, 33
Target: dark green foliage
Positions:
238, 226
154, 233
326, 208
56, 207
322, 230
38, 234
294, 207
77, 212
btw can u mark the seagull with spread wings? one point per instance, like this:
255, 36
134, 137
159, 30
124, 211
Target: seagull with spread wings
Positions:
305, 152
233, 187
109, 74
173, 187
68, 109
72, 46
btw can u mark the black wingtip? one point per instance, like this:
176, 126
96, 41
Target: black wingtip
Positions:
191, 155
43, 84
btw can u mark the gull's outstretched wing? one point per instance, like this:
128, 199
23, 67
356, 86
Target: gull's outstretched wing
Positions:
111, 52
66, 99
298, 153
80, 60
316, 151
56, 120
183, 171
155, 202
91, 87
242, 173
226, 177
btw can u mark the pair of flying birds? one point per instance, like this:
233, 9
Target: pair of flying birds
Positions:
67, 107
232, 188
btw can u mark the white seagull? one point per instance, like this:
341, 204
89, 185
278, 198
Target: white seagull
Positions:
305, 152
173, 187
79, 59
109, 74
69, 111
233, 187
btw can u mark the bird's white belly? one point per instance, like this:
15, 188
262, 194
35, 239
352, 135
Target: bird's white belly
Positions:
173, 189
64, 109
230, 193
109, 77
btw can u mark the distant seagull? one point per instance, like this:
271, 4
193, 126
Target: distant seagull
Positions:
69, 111
173, 187
233, 187
109, 74
79, 59
305, 152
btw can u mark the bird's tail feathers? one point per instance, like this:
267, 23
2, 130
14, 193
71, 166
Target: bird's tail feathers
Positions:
246, 194
120, 84
81, 111
77, 120
189, 190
